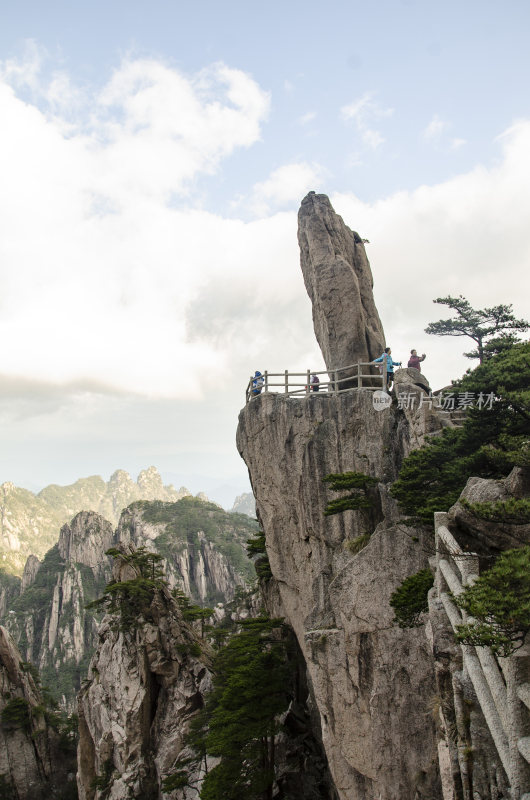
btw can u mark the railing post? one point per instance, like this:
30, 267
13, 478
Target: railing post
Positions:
384, 375
266, 381
286, 382
359, 376
308, 383
335, 382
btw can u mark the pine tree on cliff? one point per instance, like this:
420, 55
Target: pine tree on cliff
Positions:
493, 325
490, 443
250, 692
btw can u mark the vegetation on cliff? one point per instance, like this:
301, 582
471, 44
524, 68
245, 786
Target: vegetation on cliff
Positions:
409, 601
130, 599
499, 602
241, 719
488, 445
491, 329
357, 484
187, 517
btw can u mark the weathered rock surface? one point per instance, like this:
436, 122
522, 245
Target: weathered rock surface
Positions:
489, 537
31, 568
32, 766
144, 688
474, 765
204, 555
339, 282
371, 680
49, 620
409, 375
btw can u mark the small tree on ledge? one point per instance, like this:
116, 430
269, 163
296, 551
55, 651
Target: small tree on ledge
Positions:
499, 602
357, 483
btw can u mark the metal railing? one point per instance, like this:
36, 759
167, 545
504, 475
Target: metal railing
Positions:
501, 684
336, 381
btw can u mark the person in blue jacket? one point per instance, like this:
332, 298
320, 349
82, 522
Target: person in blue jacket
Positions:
389, 366
257, 383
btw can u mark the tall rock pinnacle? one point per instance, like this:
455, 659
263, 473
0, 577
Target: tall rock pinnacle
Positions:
338, 280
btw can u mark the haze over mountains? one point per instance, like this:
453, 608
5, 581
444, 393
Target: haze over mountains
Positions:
30, 523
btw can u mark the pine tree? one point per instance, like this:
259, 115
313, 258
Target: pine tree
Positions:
357, 483
250, 692
479, 325
499, 602
491, 442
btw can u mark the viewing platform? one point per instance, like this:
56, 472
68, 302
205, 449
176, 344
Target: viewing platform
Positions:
362, 375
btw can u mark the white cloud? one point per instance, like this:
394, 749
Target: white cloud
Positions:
106, 281
285, 187
435, 128
467, 235
97, 263
436, 133
363, 112
305, 119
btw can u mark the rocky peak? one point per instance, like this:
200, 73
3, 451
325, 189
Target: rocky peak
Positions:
339, 282
120, 478
86, 539
144, 687
30, 572
332, 577
150, 483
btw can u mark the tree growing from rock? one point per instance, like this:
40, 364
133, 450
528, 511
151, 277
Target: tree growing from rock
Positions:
409, 601
492, 329
131, 598
241, 719
488, 445
499, 602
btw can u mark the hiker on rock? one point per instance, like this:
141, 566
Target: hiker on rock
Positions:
257, 383
314, 382
389, 366
414, 360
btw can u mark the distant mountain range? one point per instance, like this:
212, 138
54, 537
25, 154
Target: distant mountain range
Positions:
30, 523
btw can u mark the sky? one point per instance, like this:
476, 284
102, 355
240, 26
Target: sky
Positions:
153, 157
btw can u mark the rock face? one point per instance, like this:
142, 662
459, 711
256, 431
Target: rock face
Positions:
204, 555
371, 680
144, 687
339, 283
49, 620
487, 537
32, 766
483, 702
203, 546
333, 576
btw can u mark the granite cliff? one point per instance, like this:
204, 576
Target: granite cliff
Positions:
37, 756
203, 548
145, 683
372, 681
